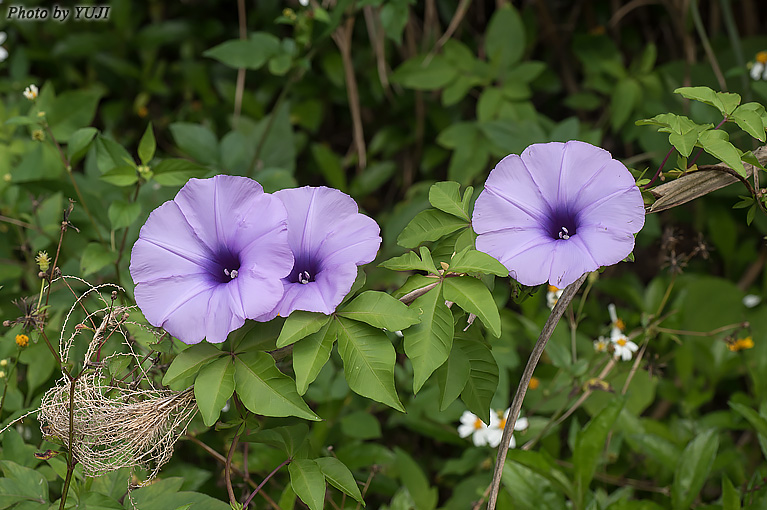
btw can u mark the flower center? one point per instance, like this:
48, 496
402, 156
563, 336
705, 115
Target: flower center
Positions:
621, 342
564, 233
304, 271
478, 424
304, 277
225, 266
231, 274
561, 225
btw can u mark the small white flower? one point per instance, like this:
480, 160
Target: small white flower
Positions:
553, 295
623, 347
497, 424
31, 92
751, 300
601, 344
758, 69
3, 51
472, 425
304, 2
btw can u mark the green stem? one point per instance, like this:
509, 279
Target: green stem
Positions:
696, 19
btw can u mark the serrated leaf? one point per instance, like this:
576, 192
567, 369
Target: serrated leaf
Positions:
147, 145
452, 377
189, 362
308, 482
311, 354
428, 343
123, 214
380, 310
483, 378
470, 260
693, 468
473, 296
213, 386
369, 360
589, 445
300, 324
265, 390
429, 225
446, 197
339, 476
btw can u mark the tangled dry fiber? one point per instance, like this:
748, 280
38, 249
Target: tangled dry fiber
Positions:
114, 423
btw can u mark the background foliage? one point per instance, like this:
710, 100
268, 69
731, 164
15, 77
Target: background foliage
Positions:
382, 99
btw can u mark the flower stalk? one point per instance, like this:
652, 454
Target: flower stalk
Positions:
516, 404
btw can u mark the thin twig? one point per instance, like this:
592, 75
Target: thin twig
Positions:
228, 465
241, 71
269, 476
707, 45
516, 405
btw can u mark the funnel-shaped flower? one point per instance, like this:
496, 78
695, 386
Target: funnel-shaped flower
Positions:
211, 258
329, 239
558, 211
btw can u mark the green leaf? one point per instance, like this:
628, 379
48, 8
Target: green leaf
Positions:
125, 175
505, 38
339, 476
483, 378
147, 145
626, 96
723, 101
197, 141
452, 377
716, 143
685, 142
429, 225
252, 53
110, 154
308, 482
413, 477
589, 444
469, 260
756, 420
21, 483
380, 310
446, 197
330, 166
749, 118
79, 143
187, 363
730, 495
409, 261
424, 73
299, 325
95, 257
311, 354
71, 111
361, 425
369, 360
175, 172
693, 468
265, 390
473, 296
289, 438
122, 214
544, 465
22, 121
213, 386
428, 343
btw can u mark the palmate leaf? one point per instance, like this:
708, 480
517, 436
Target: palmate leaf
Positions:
265, 390
428, 343
483, 377
311, 354
213, 387
369, 360
380, 310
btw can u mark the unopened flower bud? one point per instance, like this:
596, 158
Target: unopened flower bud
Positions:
43, 261
38, 135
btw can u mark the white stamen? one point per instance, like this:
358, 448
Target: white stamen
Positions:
231, 274
563, 233
303, 277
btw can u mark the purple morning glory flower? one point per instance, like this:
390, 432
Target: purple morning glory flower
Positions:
211, 258
329, 239
558, 211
